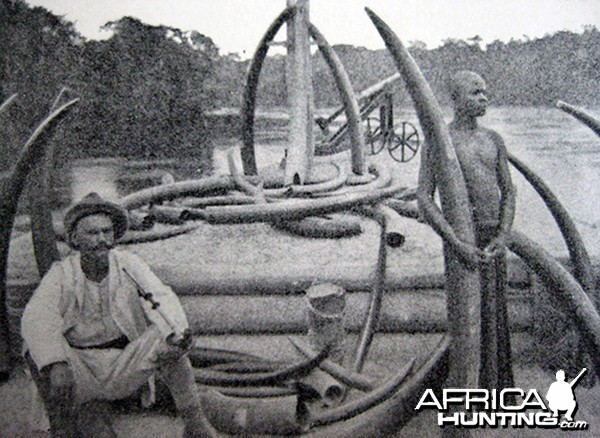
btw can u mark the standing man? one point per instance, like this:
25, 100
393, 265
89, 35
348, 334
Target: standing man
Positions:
484, 164
90, 337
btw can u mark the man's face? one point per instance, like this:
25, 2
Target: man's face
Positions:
94, 234
471, 98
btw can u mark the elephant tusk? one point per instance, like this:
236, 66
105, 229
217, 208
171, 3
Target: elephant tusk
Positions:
583, 116
356, 407
296, 208
249, 97
346, 92
580, 258
564, 286
42, 230
377, 290
216, 378
347, 377
462, 283
31, 152
7, 103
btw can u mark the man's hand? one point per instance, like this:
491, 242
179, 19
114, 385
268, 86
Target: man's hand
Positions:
175, 348
61, 381
470, 255
495, 247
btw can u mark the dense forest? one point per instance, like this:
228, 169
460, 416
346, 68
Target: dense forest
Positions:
146, 90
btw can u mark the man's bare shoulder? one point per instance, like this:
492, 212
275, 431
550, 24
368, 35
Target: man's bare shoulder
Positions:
493, 135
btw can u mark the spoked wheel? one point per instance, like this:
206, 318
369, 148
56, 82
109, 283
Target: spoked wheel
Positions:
373, 135
404, 143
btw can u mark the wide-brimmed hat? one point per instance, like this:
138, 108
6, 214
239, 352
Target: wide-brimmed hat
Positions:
91, 204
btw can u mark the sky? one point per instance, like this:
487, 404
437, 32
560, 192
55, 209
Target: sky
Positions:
238, 25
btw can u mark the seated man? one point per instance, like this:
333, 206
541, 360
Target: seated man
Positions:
90, 337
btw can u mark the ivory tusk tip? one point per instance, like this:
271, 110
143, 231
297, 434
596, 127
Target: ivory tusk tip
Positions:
560, 104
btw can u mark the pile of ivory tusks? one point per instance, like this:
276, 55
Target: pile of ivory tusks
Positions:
303, 210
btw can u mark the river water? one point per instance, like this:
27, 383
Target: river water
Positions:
563, 152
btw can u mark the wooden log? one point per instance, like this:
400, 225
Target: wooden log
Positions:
300, 147
411, 312
213, 279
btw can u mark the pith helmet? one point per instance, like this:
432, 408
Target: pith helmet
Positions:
91, 204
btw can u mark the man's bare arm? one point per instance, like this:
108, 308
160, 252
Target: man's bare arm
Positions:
507, 197
434, 216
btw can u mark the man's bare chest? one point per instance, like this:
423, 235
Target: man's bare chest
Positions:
476, 151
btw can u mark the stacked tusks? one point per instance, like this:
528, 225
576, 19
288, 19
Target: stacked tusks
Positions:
32, 152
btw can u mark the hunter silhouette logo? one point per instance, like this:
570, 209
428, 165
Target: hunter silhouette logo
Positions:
471, 408
560, 395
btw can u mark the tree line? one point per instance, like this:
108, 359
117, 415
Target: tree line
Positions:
146, 91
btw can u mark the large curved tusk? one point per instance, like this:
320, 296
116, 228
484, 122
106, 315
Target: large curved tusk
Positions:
201, 357
143, 236
348, 99
347, 377
582, 266
256, 392
396, 411
216, 378
356, 407
199, 187
580, 114
462, 284
296, 208
325, 186
31, 152
249, 98
249, 366
319, 227
383, 179
42, 229
377, 290
7, 103
273, 416
564, 286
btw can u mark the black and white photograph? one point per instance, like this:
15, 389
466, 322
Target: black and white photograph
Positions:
308, 218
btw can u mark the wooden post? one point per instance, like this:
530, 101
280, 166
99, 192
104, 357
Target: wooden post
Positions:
300, 96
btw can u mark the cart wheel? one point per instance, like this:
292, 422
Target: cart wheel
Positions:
373, 135
404, 143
